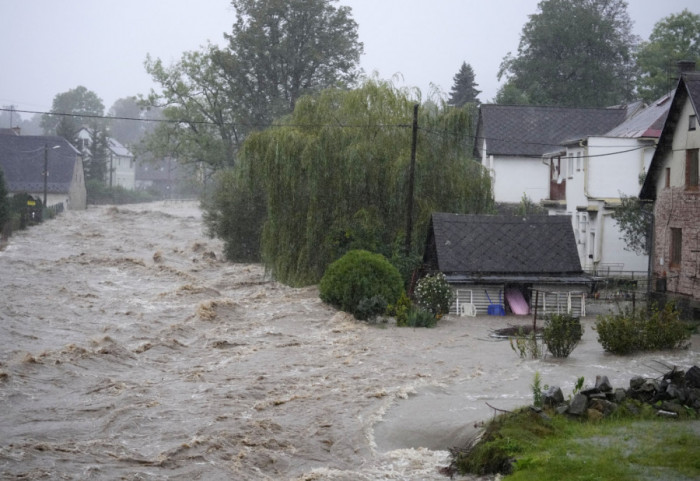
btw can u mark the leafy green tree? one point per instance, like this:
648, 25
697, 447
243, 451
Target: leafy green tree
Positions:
71, 111
131, 132
634, 218
338, 168
202, 113
464, 89
575, 53
280, 50
509, 94
674, 38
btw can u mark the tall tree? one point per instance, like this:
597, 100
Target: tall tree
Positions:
71, 111
131, 132
335, 176
674, 38
204, 115
509, 94
95, 156
281, 49
464, 89
575, 53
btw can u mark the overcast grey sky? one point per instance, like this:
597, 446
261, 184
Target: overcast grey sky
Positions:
48, 46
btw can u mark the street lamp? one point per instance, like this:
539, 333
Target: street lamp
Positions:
46, 168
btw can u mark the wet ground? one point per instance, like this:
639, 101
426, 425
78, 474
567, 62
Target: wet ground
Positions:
129, 349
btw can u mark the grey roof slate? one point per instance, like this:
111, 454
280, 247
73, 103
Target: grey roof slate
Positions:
525, 130
22, 161
496, 244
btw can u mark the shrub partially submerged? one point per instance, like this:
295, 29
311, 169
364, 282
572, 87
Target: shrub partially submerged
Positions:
562, 333
361, 283
640, 330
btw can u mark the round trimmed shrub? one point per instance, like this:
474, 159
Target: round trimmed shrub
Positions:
357, 278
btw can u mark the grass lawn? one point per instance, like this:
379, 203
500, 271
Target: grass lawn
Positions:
553, 447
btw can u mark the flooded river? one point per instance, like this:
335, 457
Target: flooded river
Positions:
129, 349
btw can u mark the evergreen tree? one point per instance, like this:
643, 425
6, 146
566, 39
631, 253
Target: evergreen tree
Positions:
96, 155
71, 111
464, 88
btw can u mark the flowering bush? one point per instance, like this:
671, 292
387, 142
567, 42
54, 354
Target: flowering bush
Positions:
434, 294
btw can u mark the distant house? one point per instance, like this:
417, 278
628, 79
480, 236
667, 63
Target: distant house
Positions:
511, 140
25, 159
673, 183
595, 172
163, 175
487, 258
121, 166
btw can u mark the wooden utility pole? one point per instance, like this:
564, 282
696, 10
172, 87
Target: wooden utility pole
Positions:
411, 181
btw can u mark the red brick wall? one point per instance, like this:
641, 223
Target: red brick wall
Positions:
677, 208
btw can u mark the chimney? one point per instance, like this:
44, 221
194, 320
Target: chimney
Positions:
686, 66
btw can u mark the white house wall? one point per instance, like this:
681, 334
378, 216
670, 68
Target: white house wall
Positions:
515, 176
601, 171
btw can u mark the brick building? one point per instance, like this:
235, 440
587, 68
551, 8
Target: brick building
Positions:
673, 183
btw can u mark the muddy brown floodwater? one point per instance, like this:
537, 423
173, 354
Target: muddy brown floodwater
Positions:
130, 350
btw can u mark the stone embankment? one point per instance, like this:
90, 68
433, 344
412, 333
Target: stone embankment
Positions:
675, 393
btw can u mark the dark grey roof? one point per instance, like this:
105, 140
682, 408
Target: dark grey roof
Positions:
524, 130
22, 161
496, 244
647, 122
688, 88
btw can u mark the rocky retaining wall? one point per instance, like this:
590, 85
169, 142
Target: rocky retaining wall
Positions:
676, 392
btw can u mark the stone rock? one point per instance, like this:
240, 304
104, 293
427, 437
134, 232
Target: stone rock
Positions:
594, 415
606, 408
578, 405
553, 396
666, 414
602, 383
562, 408
620, 395
692, 377
673, 407
637, 382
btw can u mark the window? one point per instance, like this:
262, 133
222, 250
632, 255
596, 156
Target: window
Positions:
668, 177
676, 246
578, 161
570, 167
692, 122
692, 168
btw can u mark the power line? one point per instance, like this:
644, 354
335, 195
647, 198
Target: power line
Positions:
339, 125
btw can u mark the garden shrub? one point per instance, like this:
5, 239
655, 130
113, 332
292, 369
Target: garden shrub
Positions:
562, 333
370, 307
358, 277
631, 330
400, 310
420, 317
434, 294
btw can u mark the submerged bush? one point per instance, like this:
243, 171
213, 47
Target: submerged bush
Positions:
361, 283
419, 317
434, 294
562, 333
631, 330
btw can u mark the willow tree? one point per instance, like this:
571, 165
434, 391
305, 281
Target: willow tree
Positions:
335, 177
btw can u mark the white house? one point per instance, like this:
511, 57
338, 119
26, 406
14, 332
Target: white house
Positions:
121, 166
597, 171
511, 140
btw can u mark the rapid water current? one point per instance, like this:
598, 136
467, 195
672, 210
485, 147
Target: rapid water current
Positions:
129, 349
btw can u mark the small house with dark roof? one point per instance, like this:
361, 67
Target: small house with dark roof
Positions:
673, 184
498, 259
43, 166
511, 140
